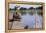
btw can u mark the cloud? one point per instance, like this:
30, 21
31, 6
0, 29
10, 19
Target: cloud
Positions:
23, 5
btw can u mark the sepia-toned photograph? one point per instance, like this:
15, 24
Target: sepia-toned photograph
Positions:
25, 16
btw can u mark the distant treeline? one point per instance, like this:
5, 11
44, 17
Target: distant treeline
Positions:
37, 8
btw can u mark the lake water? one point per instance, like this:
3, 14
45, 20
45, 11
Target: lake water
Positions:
32, 20
29, 20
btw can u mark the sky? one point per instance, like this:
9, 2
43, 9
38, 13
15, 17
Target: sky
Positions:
23, 5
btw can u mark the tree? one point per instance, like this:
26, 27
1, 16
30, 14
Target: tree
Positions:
40, 7
15, 8
11, 9
31, 8
22, 8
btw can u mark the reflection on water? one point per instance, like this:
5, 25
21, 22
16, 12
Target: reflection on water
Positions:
29, 20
